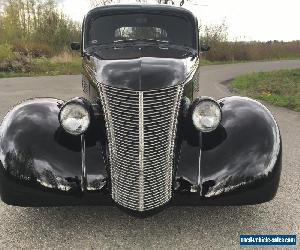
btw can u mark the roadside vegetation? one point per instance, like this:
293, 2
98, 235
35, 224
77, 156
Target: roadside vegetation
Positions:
18, 65
225, 51
35, 37
280, 88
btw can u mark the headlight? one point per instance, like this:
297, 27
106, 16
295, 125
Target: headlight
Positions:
206, 114
74, 118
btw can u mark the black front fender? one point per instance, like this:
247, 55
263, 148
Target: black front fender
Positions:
240, 159
40, 163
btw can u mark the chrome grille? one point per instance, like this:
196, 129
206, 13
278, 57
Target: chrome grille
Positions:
141, 127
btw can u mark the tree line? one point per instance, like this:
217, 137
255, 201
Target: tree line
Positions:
96, 3
30, 24
39, 28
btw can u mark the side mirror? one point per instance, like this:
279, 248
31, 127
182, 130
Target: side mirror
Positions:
204, 47
75, 46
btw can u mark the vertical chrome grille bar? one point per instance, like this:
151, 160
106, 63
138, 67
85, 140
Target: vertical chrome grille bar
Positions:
141, 151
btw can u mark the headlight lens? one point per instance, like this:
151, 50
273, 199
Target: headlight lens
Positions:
206, 115
74, 118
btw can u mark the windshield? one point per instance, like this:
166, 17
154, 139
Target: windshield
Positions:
175, 30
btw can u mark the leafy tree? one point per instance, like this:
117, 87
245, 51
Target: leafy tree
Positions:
36, 23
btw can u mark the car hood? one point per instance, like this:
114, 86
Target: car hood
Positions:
141, 68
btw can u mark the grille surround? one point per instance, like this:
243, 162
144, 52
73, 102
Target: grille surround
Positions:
141, 128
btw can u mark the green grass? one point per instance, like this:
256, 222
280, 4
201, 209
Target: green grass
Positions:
57, 68
48, 67
204, 62
280, 88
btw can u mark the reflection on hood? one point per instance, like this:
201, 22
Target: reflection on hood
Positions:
142, 68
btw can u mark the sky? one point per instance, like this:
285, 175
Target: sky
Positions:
247, 20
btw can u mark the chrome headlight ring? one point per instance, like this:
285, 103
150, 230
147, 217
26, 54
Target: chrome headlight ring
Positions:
75, 116
206, 114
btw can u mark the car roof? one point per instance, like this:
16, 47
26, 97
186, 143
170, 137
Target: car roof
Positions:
140, 8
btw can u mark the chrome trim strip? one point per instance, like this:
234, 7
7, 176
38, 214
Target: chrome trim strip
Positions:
83, 165
111, 140
172, 134
199, 166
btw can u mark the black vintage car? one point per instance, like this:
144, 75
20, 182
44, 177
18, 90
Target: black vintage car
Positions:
141, 138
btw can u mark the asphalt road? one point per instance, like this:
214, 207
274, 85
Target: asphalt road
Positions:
177, 227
